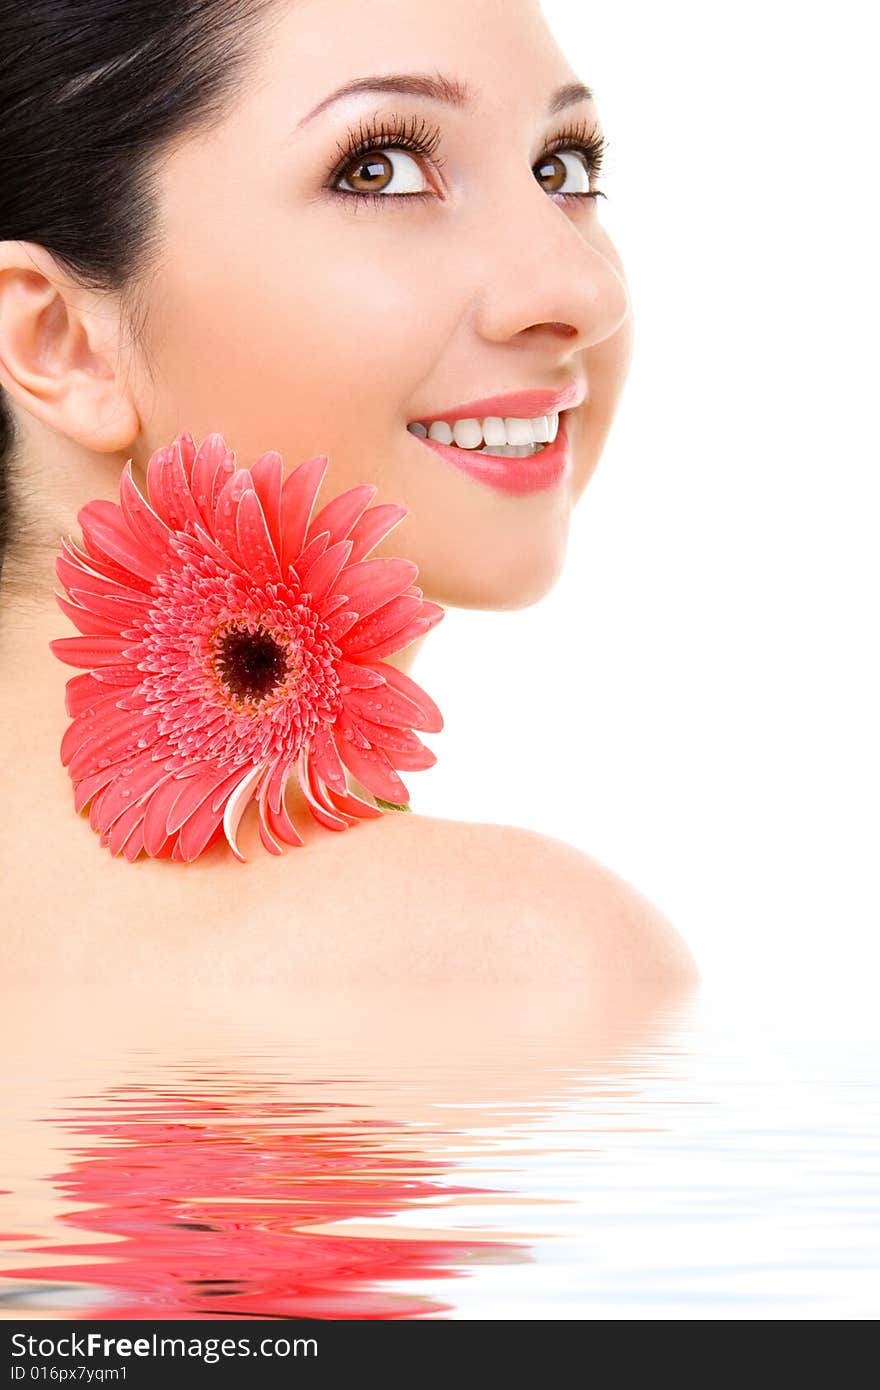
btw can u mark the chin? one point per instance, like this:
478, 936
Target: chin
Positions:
503, 579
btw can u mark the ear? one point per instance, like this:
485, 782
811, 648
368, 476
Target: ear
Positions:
60, 350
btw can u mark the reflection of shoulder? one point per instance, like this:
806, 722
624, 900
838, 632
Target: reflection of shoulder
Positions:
537, 895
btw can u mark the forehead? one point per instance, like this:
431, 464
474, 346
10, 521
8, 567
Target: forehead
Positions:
502, 51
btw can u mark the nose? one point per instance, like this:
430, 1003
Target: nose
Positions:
543, 273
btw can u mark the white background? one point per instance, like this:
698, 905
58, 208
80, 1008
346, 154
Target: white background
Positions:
696, 701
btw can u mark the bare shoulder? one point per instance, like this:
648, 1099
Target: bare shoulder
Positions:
546, 898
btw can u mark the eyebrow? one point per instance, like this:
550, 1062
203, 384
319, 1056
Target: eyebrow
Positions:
439, 88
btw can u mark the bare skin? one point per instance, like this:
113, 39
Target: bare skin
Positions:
515, 288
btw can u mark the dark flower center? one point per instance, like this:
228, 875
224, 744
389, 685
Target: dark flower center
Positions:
251, 664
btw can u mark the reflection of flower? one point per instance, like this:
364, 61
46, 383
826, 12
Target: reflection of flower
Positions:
212, 1201
230, 635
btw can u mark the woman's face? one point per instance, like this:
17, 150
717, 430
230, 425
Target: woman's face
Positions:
293, 312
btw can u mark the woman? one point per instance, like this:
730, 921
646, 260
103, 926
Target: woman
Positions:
240, 217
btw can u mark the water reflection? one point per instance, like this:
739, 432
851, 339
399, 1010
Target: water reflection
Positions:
294, 1162
228, 1198
455, 1153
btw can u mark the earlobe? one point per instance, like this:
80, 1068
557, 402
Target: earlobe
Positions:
59, 355
98, 414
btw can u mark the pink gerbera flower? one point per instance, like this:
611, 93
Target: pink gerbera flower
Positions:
231, 638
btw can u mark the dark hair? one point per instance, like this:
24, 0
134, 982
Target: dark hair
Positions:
90, 92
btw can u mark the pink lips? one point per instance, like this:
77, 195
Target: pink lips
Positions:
527, 404
513, 475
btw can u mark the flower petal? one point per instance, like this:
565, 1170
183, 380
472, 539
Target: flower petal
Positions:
192, 791
322, 796
280, 824
132, 783
72, 572
341, 513
375, 524
93, 720
196, 833
87, 621
187, 446
123, 609
156, 815
116, 739
329, 819
142, 520
370, 766
340, 623
298, 495
267, 838
433, 719
226, 512
384, 705
135, 842
397, 741
178, 853
122, 828
325, 571
212, 466
313, 552
236, 805
267, 474
80, 692
88, 787
106, 534
384, 622
353, 805
370, 583
96, 563
168, 488
118, 675
324, 758
200, 540
254, 542
94, 650
407, 634
277, 817
350, 674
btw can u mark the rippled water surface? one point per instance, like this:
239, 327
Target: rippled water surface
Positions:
708, 1161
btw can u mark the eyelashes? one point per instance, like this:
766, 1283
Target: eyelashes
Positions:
587, 141
413, 135
418, 137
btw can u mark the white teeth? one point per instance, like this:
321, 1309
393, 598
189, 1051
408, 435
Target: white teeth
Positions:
493, 433
468, 434
518, 431
541, 429
440, 431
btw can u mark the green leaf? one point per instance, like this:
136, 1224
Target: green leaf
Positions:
392, 805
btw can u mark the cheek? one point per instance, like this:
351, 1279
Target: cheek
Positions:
311, 343
607, 367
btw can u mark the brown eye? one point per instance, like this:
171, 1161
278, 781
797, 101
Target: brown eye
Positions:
553, 169
370, 174
375, 171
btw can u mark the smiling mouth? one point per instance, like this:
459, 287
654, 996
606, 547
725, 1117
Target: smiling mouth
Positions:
503, 437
